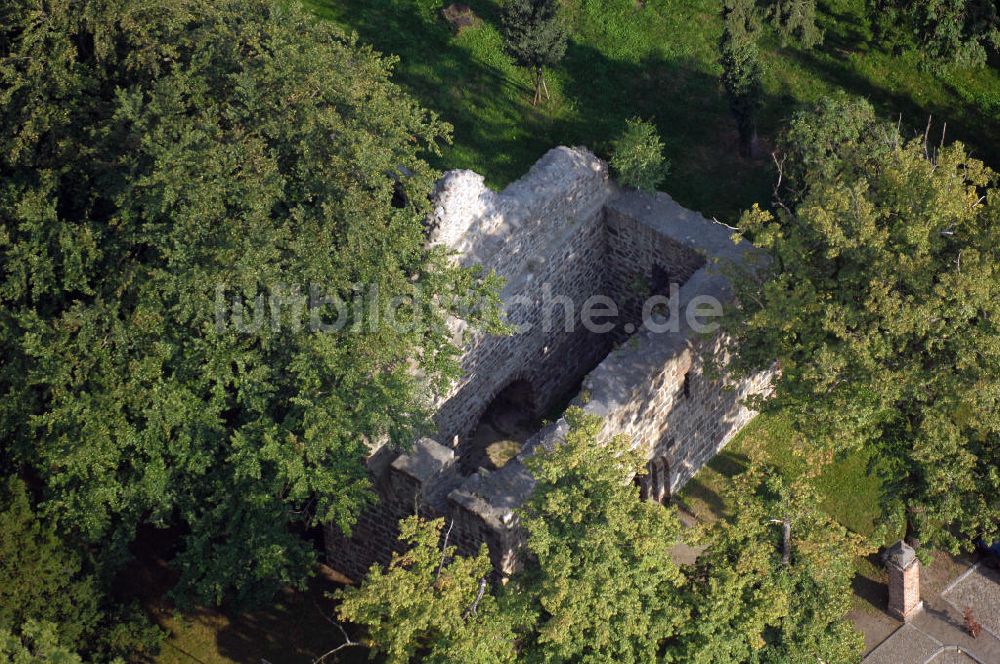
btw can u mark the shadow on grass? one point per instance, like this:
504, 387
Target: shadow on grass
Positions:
869, 583
688, 105
295, 628
472, 84
966, 121
697, 491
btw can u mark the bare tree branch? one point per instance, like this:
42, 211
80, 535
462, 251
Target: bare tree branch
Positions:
471, 610
927, 132
348, 642
780, 165
444, 549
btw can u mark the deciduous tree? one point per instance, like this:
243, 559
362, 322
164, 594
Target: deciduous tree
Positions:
944, 33
774, 584
600, 580
879, 304
432, 602
161, 160
637, 158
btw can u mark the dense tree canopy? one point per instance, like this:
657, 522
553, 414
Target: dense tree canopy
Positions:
432, 603
161, 159
599, 583
944, 32
757, 597
880, 305
41, 579
39, 642
601, 580
50, 596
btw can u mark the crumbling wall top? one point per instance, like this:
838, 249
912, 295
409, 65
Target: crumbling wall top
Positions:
565, 186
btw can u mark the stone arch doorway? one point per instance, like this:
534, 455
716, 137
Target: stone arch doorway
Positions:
655, 484
508, 421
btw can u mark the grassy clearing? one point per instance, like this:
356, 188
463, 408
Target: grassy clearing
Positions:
847, 492
656, 60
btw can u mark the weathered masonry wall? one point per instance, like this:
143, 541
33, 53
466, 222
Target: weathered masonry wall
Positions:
565, 229
654, 387
545, 236
641, 261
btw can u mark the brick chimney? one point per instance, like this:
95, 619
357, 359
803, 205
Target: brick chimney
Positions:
904, 581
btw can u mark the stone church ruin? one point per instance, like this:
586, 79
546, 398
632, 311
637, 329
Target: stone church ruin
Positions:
560, 236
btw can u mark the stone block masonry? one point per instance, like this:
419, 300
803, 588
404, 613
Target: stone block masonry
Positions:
545, 236
563, 234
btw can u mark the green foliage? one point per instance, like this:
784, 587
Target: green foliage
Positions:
38, 644
747, 605
742, 72
838, 130
534, 32
161, 159
946, 33
879, 306
535, 35
599, 582
429, 10
602, 584
795, 20
431, 602
47, 597
42, 580
629, 59
637, 156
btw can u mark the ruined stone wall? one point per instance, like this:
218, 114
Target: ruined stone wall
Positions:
419, 481
661, 396
545, 235
565, 230
653, 387
640, 262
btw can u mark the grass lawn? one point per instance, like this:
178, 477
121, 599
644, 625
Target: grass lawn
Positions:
847, 492
657, 60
